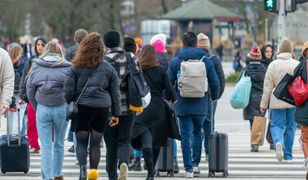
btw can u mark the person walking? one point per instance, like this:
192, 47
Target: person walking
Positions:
16, 53
32, 133
95, 83
283, 124
192, 111
267, 52
117, 138
45, 93
150, 127
79, 35
6, 81
205, 44
256, 71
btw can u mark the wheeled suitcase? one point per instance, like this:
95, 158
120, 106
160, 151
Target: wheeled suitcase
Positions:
218, 152
165, 162
14, 151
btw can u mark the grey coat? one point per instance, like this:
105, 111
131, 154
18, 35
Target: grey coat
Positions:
46, 80
102, 90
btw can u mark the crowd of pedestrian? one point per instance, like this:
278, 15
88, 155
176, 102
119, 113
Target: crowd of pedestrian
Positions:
96, 77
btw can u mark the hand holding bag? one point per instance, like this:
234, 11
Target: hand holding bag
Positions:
258, 130
72, 108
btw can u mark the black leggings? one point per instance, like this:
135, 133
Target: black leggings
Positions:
91, 121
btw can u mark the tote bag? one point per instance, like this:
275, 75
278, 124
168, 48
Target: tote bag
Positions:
241, 93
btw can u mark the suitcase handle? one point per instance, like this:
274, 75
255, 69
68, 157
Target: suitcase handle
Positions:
8, 128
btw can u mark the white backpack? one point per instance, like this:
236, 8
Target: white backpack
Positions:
192, 79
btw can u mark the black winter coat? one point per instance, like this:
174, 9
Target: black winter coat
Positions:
102, 91
301, 115
256, 71
154, 117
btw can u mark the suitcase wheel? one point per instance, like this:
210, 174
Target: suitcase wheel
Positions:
26, 172
3, 172
157, 173
170, 174
211, 174
225, 174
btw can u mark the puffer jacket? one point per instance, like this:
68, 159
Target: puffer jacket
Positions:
256, 71
102, 90
274, 74
46, 80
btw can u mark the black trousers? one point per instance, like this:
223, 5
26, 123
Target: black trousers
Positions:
117, 141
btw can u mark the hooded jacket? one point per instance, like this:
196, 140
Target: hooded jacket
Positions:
264, 60
193, 106
46, 80
6, 78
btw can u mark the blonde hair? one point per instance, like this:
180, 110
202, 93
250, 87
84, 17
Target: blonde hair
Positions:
53, 47
15, 51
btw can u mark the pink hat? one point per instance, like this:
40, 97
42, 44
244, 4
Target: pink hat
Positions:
159, 46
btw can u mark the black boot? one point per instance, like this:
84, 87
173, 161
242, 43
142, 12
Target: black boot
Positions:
254, 148
272, 146
83, 172
148, 159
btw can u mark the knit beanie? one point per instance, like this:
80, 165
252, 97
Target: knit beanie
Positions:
159, 36
130, 45
305, 47
159, 46
112, 39
255, 54
203, 41
286, 47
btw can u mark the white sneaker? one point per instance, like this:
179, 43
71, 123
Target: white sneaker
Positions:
189, 174
279, 152
123, 171
196, 170
290, 161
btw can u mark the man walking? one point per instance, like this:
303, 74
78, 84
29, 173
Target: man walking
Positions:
191, 110
117, 138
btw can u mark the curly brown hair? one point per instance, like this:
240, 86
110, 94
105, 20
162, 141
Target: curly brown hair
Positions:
90, 52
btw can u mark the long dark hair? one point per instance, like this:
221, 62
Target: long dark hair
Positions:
147, 57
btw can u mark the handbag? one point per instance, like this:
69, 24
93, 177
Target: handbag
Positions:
258, 130
173, 125
241, 93
281, 91
72, 107
298, 89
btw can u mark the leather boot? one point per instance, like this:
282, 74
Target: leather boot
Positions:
305, 149
83, 172
148, 158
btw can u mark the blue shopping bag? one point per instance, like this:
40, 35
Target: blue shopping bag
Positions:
240, 95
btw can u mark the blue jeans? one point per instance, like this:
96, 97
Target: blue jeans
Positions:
190, 127
207, 125
52, 155
283, 129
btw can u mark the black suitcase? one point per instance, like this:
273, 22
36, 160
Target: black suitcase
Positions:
218, 152
14, 151
165, 161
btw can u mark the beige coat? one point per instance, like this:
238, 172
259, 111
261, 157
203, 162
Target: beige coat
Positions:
6, 78
274, 74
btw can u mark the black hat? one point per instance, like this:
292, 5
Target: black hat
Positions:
112, 39
130, 45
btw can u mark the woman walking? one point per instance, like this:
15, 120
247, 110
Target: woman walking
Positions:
149, 130
95, 83
31, 123
45, 93
256, 71
283, 125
